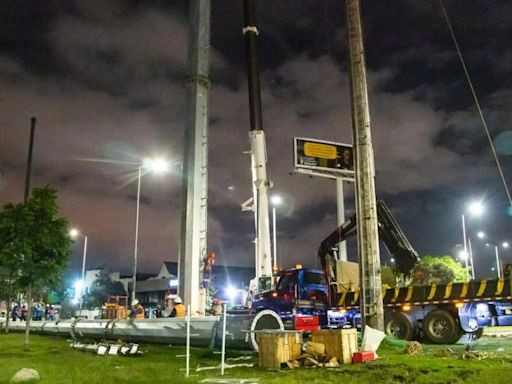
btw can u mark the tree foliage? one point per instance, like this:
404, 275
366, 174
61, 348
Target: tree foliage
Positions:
101, 289
34, 243
439, 270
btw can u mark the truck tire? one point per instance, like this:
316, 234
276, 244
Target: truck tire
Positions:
266, 319
441, 327
400, 325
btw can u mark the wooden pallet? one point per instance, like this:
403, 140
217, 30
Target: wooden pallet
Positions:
277, 347
339, 343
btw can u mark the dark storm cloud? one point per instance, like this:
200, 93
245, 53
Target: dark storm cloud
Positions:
105, 80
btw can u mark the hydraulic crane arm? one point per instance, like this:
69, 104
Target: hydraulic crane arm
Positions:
389, 232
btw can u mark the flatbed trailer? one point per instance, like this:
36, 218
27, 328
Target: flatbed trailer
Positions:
440, 313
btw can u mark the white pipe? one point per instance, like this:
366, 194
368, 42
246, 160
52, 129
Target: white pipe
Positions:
187, 369
223, 341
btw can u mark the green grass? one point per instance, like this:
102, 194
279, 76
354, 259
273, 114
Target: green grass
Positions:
57, 363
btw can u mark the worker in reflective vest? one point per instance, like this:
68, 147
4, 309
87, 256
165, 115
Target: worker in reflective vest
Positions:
179, 309
137, 310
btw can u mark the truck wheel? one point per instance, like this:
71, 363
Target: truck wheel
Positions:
399, 325
266, 319
441, 327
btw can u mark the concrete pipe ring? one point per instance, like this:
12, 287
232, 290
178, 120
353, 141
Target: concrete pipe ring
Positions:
266, 319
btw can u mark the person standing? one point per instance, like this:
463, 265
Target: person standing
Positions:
169, 306
179, 309
137, 310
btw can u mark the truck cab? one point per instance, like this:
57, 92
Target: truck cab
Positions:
297, 291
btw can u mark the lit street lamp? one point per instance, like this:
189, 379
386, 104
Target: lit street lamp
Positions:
275, 200
476, 208
74, 233
150, 165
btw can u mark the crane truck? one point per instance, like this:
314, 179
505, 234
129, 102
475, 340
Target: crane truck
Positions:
306, 299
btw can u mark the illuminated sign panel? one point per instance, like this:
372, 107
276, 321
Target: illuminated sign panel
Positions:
323, 156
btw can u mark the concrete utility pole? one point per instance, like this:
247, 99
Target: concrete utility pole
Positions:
366, 205
340, 200
193, 248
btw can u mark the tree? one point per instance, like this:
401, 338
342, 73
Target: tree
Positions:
101, 289
34, 243
439, 270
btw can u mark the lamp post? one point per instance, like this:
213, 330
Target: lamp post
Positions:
74, 233
475, 208
275, 200
150, 165
505, 245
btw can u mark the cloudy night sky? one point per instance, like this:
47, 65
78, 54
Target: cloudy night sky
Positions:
105, 80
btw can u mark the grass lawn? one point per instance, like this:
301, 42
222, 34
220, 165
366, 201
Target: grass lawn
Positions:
57, 363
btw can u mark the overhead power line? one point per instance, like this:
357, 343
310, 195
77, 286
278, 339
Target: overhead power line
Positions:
477, 103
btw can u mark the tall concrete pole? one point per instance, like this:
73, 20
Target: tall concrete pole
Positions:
340, 198
193, 247
366, 205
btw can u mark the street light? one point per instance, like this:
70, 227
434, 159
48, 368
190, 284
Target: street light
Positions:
150, 165
505, 245
475, 208
74, 233
275, 201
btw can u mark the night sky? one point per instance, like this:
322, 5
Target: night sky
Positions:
105, 80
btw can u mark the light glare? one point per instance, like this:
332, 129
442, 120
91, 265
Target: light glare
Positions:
156, 165
476, 208
480, 235
276, 200
73, 232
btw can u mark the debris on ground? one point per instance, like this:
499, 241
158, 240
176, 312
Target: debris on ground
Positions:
25, 375
372, 339
413, 348
444, 352
239, 358
470, 353
104, 347
226, 366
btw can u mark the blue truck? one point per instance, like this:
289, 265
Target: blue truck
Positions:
438, 313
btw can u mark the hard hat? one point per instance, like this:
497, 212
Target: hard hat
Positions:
218, 302
177, 300
171, 297
135, 302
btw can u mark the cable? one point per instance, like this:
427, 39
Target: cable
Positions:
476, 102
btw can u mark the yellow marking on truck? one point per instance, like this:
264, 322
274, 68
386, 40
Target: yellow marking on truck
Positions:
356, 296
481, 289
409, 293
499, 286
342, 298
395, 294
432, 291
464, 291
448, 290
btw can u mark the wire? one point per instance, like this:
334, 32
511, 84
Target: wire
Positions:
476, 102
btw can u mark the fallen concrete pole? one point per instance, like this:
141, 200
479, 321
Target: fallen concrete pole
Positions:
205, 331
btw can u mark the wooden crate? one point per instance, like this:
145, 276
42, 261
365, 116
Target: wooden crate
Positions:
278, 347
339, 343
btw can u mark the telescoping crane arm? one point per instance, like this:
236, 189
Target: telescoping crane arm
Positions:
389, 232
